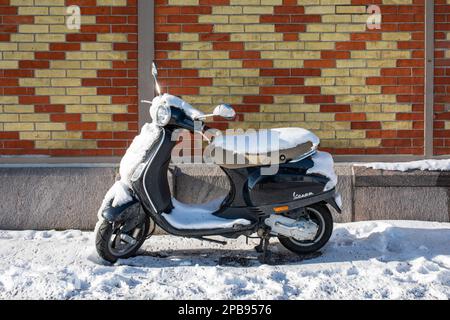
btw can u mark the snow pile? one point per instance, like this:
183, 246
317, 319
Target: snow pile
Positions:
185, 216
432, 165
119, 193
324, 165
266, 140
364, 260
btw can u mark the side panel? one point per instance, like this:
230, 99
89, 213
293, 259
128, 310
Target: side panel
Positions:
152, 187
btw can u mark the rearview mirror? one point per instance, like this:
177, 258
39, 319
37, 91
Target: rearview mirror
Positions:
155, 76
225, 111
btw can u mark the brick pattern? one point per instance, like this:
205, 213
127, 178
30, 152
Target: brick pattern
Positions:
67, 92
308, 63
442, 78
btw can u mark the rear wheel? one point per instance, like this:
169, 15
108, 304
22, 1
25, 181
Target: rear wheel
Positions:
321, 215
119, 241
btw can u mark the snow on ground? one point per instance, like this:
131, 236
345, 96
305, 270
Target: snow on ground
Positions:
436, 165
364, 260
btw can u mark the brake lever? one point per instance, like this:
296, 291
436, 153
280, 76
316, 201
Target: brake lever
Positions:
146, 101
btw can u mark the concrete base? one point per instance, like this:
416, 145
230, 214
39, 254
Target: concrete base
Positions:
69, 197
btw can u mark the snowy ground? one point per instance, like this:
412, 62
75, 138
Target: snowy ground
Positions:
367, 260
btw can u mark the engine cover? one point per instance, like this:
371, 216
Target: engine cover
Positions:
301, 230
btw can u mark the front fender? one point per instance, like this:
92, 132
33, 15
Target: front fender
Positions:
335, 202
115, 214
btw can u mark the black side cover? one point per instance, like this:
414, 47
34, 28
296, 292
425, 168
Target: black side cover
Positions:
152, 188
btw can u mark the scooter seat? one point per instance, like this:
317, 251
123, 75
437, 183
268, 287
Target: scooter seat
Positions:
262, 147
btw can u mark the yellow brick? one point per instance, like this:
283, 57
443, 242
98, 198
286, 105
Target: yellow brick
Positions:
81, 73
366, 90
196, 64
34, 82
226, 99
336, 18
22, 37
49, 2
382, 98
258, 10
6, 117
121, 3
306, 55
49, 20
81, 91
244, 72
367, 143
37, 117
181, 37
65, 64
350, 99
96, 100
18, 55
365, 107
447, 125
64, 100
325, 134
113, 55
319, 116
52, 126
66, 82
244, 2
304, 107
50, 144
57, 11
320, 27
319, 46
96, 65
352, 63
32, 11
331, 143
260, 82
94, 46
65, 135
335, 90
244, 19
288, 45
319, 81
350, 81
397, 125
33, 28
19, 108
213, 55
41, 135
112, 126
80, 108
244, 90
214, 73
183, 2
9, 64
8, 46
381, 63
396, 54
213, 19
309, 36
398, 2
259, 46
96, 117
196, 46
320, 10
335, 37
363, 72
21, 2
350, 134
260, 28
112, 37
217, 10
18, 126
335, 72
258, 117
50, 37
50, 91
396, 36
355, 27
50, 73
183, 55
337, 125
363, 54
225, 28
290, 117
381, 45
275, 108
380, 116
276, 55
214, 90
288, 99
113, 108
81, 55
396, 108
34, 47
350, 9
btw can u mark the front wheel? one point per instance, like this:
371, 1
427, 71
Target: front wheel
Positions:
115, 241
321, 215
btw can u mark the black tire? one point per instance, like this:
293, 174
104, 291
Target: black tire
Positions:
103, 236
307, 247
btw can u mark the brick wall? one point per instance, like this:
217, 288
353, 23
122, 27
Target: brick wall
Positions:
67, 92
442, 78
307, 63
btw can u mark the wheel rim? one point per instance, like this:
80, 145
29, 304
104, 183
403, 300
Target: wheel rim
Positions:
316, 217
122, 243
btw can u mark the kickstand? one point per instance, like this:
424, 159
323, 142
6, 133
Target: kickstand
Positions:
262, 248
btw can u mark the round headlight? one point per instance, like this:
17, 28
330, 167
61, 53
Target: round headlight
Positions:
162, 115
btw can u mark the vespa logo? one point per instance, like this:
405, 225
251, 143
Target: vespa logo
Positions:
301, 196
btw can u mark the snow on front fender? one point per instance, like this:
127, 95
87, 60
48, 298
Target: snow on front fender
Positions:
324, 165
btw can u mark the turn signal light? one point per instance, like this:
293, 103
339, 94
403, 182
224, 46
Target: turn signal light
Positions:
281, 209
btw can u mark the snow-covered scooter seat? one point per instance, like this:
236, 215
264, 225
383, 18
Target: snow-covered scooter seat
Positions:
259, 147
